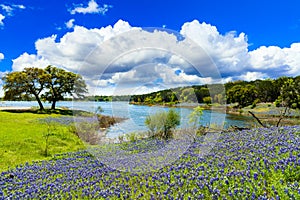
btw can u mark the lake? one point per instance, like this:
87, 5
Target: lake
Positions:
136, 114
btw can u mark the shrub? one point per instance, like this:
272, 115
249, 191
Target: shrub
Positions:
132, 137
256, 101
161, 123
196, 116
207, 100
107, 121
87, 131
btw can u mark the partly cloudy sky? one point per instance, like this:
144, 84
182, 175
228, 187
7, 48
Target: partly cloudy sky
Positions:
190, 42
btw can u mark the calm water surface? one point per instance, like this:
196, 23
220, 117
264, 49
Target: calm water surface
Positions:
135, 115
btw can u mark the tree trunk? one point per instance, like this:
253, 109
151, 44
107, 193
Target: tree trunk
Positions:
258, 120
282, 116
53, 105
39, 102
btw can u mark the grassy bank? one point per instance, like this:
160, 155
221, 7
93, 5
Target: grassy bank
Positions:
268, 113
23, 138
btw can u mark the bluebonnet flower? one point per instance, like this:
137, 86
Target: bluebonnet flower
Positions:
255, 175
79, 175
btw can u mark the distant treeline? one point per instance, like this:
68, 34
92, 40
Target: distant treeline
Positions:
108, 98
244, 93
241, 92
284, 90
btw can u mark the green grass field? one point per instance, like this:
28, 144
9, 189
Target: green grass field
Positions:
22, 139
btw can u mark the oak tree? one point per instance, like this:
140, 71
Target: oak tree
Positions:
25, 84
61, 84
51, 84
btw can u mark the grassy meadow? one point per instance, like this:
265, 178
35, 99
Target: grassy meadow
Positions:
23, 138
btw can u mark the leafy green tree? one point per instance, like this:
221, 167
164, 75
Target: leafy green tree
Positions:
289, 94
161, 123
231, 84
188, 95
195, 116
289, 97
62, 83
207, 100
51, 84
173, 98
218, 98
149, 100
243, 95
158, 98
297, 80
24, 84
268, 90
217, 93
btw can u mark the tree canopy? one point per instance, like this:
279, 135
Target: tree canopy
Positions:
22, 85
244, 93
289, 94
51, 84
62, 83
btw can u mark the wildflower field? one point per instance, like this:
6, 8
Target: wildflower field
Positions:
248, 164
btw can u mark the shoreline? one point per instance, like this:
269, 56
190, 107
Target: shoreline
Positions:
270, 112
3, 108
266, 112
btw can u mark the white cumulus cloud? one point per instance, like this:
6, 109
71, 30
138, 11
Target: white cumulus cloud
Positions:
2, 17
1, 56
252, 76
126, 58
8, 11
2, 74
151, 76
92, 7
19, 6
70, 23
274, 60
229, 51
10, 8
29, 60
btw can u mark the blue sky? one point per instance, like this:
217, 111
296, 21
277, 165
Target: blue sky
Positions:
243, 40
